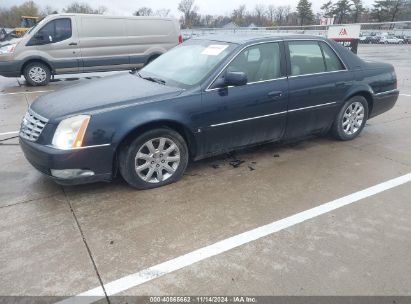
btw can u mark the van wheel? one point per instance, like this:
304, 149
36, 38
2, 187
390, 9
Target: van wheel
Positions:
154, 159
37, 74
351, 119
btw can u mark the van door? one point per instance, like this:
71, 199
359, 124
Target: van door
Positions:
103, 43
57, 42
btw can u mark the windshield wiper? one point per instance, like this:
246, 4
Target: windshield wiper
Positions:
152, 79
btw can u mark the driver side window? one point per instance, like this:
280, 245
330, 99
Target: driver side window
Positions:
259, 62
55, 31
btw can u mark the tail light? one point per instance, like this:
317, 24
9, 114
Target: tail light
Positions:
180, 39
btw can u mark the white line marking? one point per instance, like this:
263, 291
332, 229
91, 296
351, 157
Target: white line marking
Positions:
201, 254
405, 95
32, 92
9, 133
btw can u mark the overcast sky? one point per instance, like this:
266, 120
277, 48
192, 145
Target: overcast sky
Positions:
127, 7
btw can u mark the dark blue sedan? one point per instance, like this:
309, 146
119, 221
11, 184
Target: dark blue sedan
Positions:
207, 96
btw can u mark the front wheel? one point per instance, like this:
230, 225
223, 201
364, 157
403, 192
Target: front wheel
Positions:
37, 74
351, 119
154, 159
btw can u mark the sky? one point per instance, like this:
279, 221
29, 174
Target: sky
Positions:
127, 7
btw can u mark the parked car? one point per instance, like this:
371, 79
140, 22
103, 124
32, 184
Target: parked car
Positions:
391, 39
405, 38
205, 97
79, 43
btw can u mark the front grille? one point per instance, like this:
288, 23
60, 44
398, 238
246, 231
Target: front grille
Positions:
32, 125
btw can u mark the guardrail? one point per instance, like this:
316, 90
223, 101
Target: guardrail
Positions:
371, 33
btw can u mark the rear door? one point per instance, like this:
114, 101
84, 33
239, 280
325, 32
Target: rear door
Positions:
59, 44
317, 81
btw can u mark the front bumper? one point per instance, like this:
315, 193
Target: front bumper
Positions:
10, 68
98, 159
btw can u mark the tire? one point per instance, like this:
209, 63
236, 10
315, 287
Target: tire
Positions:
154, 170
37, 74
346, 126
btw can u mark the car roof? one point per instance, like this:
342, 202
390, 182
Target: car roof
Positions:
244, 38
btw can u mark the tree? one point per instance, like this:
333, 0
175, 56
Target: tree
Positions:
189, 10
84, 8
305, 12
271, 11
342, 10
238, 15
282, 14
48, 10
358, 10
144, 11
12, 17
259, 14
162, 12
387, 10
327, 9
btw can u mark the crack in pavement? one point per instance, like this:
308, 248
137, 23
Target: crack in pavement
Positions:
86, 244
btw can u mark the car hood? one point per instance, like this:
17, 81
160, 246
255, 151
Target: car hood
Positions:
104, 93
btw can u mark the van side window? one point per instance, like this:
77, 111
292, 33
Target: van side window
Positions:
332, 62
56, 30
306, 58
260, 62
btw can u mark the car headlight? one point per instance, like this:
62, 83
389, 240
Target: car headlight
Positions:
7, 49
70, 132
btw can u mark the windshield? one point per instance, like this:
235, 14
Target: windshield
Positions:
189, 63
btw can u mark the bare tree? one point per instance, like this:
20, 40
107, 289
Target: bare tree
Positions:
208, 20
83, 8
12, 17
271, 11
281, 14
259, 14
162, 12
238, 15
144, 11
189, 10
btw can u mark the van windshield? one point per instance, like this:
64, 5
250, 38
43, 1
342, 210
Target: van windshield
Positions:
188, 64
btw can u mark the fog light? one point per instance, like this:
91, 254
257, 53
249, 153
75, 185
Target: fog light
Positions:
71, 173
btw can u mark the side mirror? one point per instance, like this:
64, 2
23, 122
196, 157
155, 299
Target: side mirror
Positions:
235, 79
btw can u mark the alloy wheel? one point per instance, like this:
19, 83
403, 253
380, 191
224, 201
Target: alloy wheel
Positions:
157, 160
353, 118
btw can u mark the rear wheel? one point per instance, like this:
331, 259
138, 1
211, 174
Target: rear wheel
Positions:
351, 119
154, 159
37, 74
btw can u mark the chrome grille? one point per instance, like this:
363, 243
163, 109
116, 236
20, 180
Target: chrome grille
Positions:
32, 125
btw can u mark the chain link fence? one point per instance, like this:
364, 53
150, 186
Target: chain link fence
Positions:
387, 33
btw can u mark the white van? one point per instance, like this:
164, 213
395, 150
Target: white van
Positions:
80, 43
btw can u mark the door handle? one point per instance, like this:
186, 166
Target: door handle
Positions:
275, 94
340, 84
73, 43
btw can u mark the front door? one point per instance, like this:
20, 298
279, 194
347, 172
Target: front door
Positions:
253, 113
59, 44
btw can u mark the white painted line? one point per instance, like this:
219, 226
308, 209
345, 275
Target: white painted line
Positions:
31, 92
9, 133
408, 95
201, 254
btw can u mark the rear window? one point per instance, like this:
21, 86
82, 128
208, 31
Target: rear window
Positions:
332, 62
306, 58
311, 57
